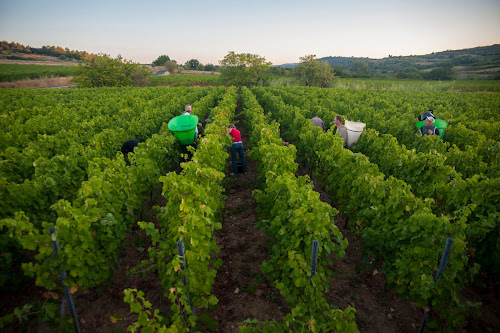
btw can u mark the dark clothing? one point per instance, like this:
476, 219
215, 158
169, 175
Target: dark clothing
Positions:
318, 122
200, 130
424, 130
424, 115
186, 151
237, 148
128, 147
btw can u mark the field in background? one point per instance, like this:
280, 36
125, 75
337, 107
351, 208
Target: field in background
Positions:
40, 83
418, 85
47, 73
15, 72
186, 80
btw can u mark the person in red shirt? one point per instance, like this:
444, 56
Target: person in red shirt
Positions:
236, 148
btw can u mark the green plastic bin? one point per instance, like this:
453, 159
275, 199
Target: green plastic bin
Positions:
184, 128
439, 123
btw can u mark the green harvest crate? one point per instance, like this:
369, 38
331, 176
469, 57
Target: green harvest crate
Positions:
184, 128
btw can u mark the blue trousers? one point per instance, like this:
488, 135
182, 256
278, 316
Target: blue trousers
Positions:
237, 148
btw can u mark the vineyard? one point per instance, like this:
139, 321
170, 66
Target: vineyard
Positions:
13, 72
185, 80
166, 244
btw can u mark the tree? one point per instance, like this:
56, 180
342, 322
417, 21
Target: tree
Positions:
161, 60
442, 73
171, 66
243, 69
410, 73
192, 64
314, 73
210, 67
341, 71
361, 69
103, 71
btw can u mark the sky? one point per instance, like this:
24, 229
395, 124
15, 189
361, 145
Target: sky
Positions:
281, 31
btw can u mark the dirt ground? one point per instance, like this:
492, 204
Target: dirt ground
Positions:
239, 285
362, 287
244, 248
242, 290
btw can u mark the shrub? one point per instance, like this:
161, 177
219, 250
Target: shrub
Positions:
104, 71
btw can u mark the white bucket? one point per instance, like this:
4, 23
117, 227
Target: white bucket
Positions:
354, 130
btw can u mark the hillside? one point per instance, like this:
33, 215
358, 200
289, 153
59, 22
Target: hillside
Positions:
475, 63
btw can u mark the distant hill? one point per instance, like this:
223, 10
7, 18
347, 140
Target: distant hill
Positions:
475, 63
16, 51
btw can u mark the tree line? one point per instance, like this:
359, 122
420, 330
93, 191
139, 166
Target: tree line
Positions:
52, 51
192, 64
246, 69
238, 69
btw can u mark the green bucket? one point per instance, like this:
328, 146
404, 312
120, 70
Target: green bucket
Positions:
184, 128
439, 123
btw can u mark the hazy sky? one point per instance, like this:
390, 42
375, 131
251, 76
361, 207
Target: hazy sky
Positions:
281, 31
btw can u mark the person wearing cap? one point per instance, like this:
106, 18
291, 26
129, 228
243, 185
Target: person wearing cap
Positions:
236, 148
341, 129
425, 115
317, 121
429, 128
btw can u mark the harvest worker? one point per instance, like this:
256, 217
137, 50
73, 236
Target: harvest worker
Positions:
317, 121
341, 129
429, 128
236, 148
187, 112
128, 147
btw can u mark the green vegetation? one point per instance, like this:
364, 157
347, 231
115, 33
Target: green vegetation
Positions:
195, 64
192, 214
87, 177
192, 64
273, 77
459, 175
400, 228
416, 85
51, 51
161, 60
293, 216
171, 66
61, 167
313, 73
185, 80
469, 64
14, 72
243, 69
104, 71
